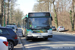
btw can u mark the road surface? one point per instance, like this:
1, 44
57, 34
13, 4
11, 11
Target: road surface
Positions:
60, 41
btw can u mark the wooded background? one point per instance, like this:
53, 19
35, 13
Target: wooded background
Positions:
62, 11
9, 12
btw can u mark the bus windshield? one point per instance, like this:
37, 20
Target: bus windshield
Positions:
39, 23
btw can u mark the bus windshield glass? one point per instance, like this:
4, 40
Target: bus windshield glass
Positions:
39, 23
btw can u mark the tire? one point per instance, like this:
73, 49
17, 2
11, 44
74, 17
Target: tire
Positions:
27, 38
10, 45
46, 38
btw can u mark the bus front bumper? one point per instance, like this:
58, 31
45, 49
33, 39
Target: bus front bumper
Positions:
37, 37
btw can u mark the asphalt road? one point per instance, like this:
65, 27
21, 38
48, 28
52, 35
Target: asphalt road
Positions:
60, 41
19, 46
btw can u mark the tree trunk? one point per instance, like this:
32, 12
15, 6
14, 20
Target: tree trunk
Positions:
72, 15
55, 18
1, 12
8, 14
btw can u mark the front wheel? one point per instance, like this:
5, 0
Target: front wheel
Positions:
10, 45
46, 38
27, 38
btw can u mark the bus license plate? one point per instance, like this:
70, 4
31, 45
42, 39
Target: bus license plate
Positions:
40, 36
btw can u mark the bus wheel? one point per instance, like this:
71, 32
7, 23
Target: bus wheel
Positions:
27, 38
46, 38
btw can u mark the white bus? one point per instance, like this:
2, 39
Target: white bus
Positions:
38, 25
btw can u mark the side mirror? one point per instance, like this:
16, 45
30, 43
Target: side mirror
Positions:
26, 19
51, 18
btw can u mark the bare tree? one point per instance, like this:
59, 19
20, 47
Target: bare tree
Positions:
60, 13
16, 17
73, 2
1, 11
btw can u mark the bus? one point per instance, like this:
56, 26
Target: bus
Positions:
38, 25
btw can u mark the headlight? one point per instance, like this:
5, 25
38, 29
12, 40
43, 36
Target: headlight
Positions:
50, 31
29, 32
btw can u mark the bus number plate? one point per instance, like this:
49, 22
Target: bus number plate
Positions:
40, 36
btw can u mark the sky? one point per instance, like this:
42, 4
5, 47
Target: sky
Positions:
25, 5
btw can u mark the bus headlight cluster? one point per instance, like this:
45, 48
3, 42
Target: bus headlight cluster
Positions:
29, 32
50, 31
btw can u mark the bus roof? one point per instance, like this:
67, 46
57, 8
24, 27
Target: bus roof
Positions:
38, 12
